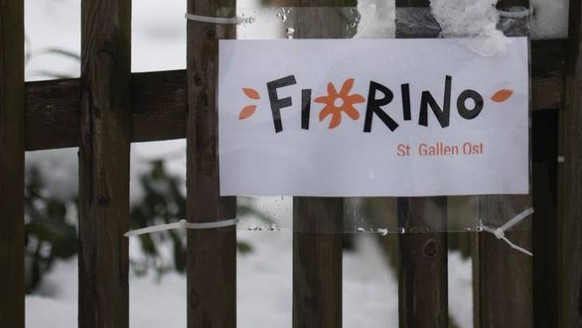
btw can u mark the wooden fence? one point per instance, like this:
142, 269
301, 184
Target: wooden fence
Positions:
109, 107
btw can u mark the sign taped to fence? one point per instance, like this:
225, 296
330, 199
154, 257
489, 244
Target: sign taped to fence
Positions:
349, 118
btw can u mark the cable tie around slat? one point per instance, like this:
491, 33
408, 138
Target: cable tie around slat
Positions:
517, 12
219, 20
183, 225
499, 233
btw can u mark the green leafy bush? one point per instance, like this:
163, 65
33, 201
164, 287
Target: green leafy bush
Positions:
51, 224
49, 233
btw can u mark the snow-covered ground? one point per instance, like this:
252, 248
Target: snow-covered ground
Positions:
264, 290
264, 276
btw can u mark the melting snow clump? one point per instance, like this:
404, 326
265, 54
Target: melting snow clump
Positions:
473, 19
377, 19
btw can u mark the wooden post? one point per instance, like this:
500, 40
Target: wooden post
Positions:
544, 194
570, 224
504, 281
104, 163
12, 164
423, 279
505, 286
318, 222
211, 255
317, 262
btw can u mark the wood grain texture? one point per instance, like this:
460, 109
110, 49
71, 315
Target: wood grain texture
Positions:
505, 276
211, 254
159, 101
105, 130
570, 191
158, 110
423, 278
504, 283
12, 163
317, 262
318, 222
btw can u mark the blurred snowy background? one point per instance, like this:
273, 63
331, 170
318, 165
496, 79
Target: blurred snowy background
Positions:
158, 296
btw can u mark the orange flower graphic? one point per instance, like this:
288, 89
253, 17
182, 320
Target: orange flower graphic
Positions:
336, 103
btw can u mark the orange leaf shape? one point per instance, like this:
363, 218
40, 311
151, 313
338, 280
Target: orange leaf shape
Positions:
251, 93
247, 112
502, 95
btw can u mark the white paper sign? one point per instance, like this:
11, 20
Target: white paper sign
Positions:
398, 117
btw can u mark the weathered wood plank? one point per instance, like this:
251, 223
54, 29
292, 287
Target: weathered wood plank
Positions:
317, 262
12, 164
505, 285
318, 222
423, 278
211, 254
545, 221
548, 68
159, 110
159, 106
105, 131
570, 191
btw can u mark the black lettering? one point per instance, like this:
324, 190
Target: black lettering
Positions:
305, 108
405, 91
465, 112
374, 107
442, 115
276, 103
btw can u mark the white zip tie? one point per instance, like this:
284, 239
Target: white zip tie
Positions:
219, 20
500, 232
517, 14
182, 224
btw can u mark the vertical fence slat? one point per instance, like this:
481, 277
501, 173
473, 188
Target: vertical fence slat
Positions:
317, 262
570, 204
211, 255
423, 275
318, 222
104, 163
12, 164
505, 276
423, 280
505, 287
545, 223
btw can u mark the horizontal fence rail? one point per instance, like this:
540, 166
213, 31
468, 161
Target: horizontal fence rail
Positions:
159, 101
